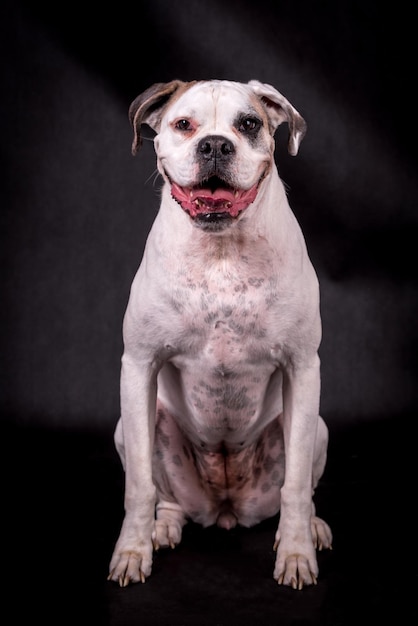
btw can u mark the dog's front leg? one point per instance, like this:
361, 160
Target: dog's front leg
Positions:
132, 556
296, 563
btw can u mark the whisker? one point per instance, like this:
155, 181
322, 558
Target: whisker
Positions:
154, 174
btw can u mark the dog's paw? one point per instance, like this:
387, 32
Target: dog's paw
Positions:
295, 570
130, 566
168, 525
321, 533
167, 533
296, 564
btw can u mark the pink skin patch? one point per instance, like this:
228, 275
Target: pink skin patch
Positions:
198, 200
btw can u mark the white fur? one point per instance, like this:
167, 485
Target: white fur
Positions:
223, 328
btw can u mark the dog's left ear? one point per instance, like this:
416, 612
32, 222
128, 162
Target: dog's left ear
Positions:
148, 107
280, 110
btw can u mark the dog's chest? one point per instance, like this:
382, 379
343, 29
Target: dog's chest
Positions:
227, 346
227, 316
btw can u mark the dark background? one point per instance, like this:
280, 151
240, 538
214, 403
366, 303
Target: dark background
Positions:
76, 208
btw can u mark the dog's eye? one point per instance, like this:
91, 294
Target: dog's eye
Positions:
183, 125
249, 125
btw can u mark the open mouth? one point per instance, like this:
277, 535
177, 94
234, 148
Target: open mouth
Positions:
214, 200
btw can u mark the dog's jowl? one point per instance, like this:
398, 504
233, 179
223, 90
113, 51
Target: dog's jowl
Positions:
220, 379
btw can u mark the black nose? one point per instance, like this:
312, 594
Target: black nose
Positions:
215, 147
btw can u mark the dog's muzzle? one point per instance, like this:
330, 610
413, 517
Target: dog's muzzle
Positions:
214, 203
213, 197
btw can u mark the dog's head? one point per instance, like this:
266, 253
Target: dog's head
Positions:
214, 142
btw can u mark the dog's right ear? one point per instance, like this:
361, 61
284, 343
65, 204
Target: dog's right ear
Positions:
148, 108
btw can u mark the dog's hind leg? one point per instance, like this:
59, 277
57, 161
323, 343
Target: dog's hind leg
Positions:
119, 444
321, 532
169, 523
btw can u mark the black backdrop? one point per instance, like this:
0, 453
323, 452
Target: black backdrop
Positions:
76, 208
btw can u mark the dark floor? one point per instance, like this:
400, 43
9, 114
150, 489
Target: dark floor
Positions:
67, 495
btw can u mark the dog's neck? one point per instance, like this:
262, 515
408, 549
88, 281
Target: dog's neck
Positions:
263, 227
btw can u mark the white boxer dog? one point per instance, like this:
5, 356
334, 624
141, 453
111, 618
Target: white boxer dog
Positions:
220, 379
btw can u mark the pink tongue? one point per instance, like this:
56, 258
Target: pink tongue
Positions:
198, 201
219, 194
